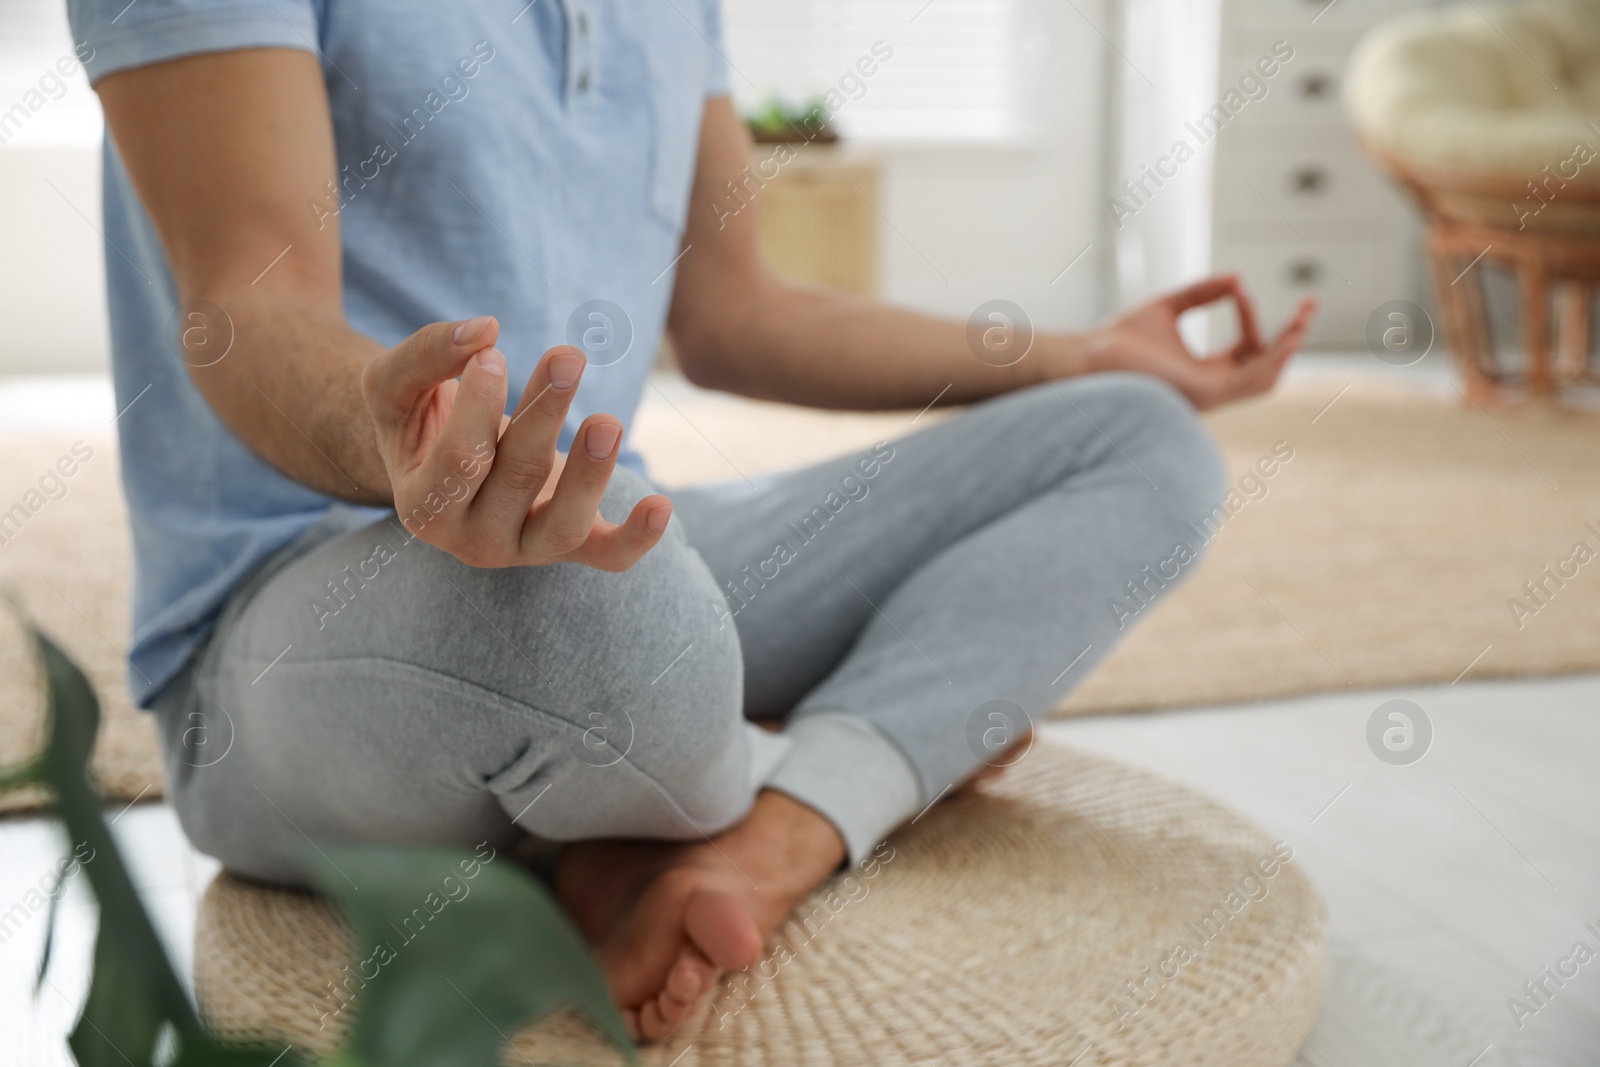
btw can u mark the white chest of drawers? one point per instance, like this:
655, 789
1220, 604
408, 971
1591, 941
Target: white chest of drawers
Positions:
1276, 187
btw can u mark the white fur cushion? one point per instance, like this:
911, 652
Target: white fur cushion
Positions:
1487, 88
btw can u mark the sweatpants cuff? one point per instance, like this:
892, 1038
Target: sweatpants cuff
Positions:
767, 750
851, 774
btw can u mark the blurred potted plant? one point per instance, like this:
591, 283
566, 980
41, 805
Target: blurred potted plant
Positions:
776, 122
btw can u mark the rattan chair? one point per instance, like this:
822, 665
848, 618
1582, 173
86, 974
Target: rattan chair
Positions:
1489, 116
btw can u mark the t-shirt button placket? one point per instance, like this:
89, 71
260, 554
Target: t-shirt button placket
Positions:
582, 53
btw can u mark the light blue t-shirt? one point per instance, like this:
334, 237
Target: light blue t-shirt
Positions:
524, 160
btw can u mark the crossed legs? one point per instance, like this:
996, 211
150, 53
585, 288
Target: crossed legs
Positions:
881, 606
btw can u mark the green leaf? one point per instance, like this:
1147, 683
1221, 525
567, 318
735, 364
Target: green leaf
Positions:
458, 951
204, 1052
769, 115
119, 1024
31, 771
74, 718
134, 989
25, 774
49, 938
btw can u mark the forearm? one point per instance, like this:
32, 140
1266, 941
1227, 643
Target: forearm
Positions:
290, 388
261, 328
830, 350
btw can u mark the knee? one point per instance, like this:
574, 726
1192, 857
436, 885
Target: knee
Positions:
650, 678
642, 660
661, 623
655, 643
1157, 428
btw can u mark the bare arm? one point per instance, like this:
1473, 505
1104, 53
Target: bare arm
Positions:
227, 151
739, 328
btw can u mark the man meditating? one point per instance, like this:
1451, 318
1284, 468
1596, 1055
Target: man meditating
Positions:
400, 577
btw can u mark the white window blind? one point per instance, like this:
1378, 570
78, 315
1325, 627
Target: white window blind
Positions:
950, 76
38, 104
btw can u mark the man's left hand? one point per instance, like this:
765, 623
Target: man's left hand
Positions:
1146, 339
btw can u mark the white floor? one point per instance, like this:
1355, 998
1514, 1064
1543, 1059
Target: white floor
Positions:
1449, 882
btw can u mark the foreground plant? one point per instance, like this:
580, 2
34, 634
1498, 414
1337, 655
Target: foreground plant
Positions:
485, 966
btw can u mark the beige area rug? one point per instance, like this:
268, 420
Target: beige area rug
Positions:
1383, 553
65, 557
1076, 910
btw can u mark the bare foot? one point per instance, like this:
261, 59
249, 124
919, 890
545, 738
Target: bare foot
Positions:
667, 919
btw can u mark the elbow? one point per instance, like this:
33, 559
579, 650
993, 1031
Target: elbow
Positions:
705, 346
715, 326
698, 362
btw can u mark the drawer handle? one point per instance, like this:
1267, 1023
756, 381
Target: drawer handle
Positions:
1309, 181
1316, 86
1305, 272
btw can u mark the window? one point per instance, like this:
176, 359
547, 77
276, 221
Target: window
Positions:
38, 103
949, 75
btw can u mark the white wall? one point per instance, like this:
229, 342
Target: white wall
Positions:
1003, 221
52, 295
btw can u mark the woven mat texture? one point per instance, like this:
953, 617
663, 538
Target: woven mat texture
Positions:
1075, 908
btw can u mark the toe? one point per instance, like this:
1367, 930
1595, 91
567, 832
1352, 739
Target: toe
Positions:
652, 1024
721, 927
671, 1012
691, 976
688, 985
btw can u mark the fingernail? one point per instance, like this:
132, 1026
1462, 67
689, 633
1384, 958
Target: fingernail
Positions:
655, 520
469, 331
564, 370
490, 361
601, 440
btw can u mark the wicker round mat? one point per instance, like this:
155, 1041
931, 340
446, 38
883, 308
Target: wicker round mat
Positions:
1076, 911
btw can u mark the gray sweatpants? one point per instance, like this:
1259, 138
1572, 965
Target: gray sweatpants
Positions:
904, 612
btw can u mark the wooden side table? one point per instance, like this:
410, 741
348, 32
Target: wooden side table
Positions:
819, 219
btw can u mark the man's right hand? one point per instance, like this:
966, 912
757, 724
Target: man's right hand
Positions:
491, 489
